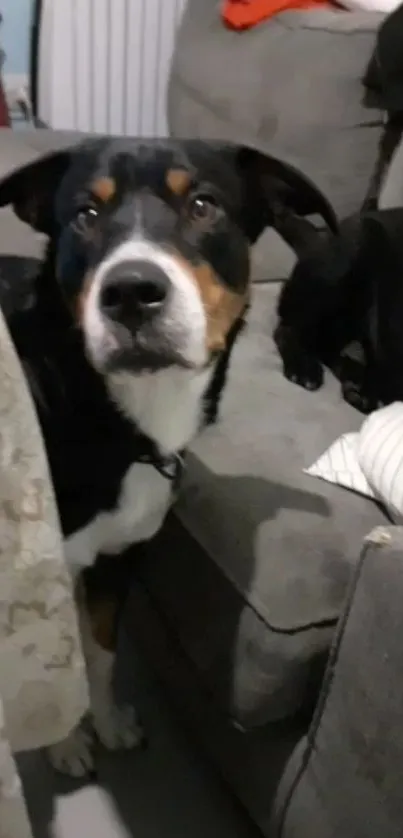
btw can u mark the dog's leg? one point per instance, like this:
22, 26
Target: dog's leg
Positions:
115, 726
360, 376
316, 306
380, 379
359, 385
300, 364
74, 756
302, 303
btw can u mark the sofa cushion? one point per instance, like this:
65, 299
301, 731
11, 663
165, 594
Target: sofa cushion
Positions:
259, 555
299, 95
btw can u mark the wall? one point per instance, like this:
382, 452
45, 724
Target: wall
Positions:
15, 33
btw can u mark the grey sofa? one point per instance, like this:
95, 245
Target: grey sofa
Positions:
275, 634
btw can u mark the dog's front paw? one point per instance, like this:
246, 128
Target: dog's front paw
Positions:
305, 371
359, 385
359, 397
117, 727
74, 755
299, 364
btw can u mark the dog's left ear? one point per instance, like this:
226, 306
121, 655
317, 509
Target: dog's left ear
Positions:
31, 190
278, 195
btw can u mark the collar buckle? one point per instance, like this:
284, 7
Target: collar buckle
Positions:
170, 467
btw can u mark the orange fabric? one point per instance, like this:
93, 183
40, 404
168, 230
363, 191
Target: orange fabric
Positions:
241, 14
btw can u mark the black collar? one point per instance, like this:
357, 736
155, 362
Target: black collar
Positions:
171, 467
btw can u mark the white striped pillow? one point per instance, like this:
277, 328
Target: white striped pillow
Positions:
339, 464
371, 461
380, 456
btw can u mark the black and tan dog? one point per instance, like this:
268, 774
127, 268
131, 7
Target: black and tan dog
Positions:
125, 336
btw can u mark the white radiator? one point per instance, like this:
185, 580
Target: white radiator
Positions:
104, 64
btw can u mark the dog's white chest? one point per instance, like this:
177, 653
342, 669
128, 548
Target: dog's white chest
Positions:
143, 502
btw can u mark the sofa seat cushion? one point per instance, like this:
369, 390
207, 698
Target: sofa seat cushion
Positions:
252, 570
299, 95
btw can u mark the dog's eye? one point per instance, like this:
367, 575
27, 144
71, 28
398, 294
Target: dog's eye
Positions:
86, 216
203, 208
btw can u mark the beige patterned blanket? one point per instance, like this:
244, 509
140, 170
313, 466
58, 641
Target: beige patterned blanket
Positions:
43, 690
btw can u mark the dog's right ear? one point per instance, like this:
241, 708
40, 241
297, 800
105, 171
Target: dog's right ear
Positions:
31, 190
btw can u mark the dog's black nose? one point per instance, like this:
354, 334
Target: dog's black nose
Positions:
136, 289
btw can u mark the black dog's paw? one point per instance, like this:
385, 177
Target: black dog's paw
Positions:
359, 396
359, 385
299, 365
306, 371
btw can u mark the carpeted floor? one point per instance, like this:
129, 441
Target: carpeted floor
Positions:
165, 791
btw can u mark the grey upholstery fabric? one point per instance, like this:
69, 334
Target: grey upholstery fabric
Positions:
278, 546
290, 86
251, 762
345, 779
391, 194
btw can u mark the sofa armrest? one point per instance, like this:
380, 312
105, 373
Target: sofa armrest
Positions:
345, 777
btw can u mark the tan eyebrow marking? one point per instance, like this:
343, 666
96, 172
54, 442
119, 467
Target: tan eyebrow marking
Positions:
104, 188
178, 180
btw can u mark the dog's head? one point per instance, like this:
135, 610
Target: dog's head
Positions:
151, 240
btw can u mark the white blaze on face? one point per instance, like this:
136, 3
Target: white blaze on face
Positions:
182, 322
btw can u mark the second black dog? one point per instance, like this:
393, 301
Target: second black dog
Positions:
348, 289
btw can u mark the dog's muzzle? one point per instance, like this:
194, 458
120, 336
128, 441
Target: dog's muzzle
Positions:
133, 292
143, 311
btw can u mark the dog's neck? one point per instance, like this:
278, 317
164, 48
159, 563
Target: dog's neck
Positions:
167, 406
